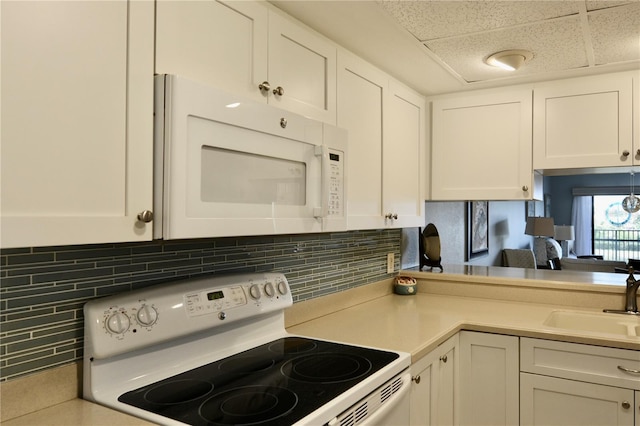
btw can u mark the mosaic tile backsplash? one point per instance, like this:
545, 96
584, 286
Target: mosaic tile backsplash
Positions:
43, 289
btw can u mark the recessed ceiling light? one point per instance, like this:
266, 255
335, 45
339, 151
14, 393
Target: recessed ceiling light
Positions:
509, 60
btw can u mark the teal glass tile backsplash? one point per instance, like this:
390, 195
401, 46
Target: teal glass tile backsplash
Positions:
43, 289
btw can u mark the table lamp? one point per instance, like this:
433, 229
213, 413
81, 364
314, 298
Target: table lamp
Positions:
540, 227
564, 234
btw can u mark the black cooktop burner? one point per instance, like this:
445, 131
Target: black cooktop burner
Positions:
277, 383
326, 368
248, 405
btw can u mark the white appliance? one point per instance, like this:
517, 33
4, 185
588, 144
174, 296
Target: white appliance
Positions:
229, 166
214, 351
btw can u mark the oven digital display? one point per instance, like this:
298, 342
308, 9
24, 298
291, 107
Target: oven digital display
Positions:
334, 157
215, 295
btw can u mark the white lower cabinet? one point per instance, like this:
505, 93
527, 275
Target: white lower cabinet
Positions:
477, 378
489, 379
552, 401
575, 384
434, 392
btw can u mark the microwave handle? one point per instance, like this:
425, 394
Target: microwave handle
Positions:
322, 151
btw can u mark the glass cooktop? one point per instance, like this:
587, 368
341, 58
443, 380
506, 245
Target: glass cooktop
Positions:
277, 383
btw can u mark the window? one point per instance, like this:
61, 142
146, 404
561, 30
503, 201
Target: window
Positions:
616, 233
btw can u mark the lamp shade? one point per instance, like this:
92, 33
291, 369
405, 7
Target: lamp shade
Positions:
565, 233
540, 227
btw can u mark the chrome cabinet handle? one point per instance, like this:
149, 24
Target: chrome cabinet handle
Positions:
264, 86
416, 379
391, 216
279, 91
145, 216
628, 370
443, 358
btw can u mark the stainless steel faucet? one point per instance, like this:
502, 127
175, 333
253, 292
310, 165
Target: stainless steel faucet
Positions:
631, 302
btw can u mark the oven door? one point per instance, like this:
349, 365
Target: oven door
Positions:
233, 167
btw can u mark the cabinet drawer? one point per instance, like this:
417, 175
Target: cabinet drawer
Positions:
574, 361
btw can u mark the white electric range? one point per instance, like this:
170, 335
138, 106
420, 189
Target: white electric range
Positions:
214, 351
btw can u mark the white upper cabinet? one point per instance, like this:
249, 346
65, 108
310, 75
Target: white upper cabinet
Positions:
386, 123
77, 122
361, 92
584, 122
481, 147
302, 66
403, 156
247, 48
221, 44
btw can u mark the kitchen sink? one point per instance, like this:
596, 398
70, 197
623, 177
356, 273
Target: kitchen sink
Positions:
622, 325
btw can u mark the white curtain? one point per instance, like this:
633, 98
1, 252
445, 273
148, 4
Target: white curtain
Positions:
581, 219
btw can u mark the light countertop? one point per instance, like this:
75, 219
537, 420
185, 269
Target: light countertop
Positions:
417, 324
565, 279
76, 412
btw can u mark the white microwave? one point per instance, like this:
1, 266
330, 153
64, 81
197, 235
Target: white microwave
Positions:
228, 166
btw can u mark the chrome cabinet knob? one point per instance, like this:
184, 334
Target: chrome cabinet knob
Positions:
638, 153
416, 379
525, 188
145, 216
283, 123
443, 358
625, 153
264, 86
279, 91
391, 216
626, 405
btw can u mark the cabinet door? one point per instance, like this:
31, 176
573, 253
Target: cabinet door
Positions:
421, 392
402, 155
434, 393
77, 130
361, 92
489, 370
446, 387
303, 64
584, 122
637, 408
481, 147
550, 401
223, 44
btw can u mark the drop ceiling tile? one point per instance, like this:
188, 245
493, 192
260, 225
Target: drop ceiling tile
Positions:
428, 20
556, 45
615, 34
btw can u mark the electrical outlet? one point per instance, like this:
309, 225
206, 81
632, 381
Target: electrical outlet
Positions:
390, 267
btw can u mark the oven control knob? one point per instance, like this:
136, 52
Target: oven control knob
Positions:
269, 290
147, 315
118, 323
254, 291
282, 288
